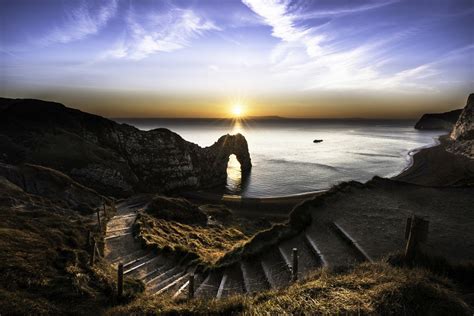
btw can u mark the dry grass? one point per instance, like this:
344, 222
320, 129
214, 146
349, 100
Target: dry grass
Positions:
208, 244
378, 289
44, 259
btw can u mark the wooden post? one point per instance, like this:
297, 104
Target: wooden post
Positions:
417, 233
120, 280
89, 235
191, 286
98, 220
92, 253
294, 269
105, 211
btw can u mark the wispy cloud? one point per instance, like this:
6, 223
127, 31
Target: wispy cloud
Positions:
160, 32
313, 55
85, 20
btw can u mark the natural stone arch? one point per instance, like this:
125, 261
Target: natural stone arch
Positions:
214, 164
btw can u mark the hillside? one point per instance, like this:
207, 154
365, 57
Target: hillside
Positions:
114, 159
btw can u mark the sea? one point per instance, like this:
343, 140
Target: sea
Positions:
285, 159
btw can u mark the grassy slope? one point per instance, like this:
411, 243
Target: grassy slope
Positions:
205, 234
368, 289
44, 259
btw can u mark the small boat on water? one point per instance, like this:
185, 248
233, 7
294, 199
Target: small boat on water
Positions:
317, 141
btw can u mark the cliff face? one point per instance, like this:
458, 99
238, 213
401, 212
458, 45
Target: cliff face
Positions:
437, 121
463, 131
112, 158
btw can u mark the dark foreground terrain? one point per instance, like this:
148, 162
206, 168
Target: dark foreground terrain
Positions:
350, 240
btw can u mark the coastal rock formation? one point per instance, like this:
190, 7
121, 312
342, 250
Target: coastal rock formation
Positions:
114, 159
463, 131
436, 121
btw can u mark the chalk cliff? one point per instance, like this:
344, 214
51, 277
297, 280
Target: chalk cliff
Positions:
463, 131
436, 121
111, 158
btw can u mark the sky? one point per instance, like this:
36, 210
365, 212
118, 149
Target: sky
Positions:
320, 58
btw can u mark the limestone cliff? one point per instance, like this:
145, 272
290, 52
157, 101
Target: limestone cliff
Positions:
112, 158
436, 121
463, 131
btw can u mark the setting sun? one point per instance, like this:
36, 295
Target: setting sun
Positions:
237, 110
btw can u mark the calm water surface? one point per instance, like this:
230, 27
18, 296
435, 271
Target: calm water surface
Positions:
286, 161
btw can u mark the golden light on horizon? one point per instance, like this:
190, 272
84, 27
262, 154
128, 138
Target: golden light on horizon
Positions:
237, 110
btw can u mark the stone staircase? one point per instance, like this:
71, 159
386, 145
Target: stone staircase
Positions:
322, 244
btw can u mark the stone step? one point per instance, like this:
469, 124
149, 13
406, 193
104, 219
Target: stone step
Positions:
275, 268
253, 275
138, 263
209, 287
315, 250
352, 242
333, 249
231, 283
153, 281
127, 257
174, 283
307, 260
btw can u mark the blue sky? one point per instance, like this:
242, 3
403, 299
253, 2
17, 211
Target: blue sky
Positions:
323, 58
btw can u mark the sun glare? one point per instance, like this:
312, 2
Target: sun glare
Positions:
237, 110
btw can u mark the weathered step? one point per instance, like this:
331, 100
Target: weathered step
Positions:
231, 283
120, 247
183, 290
334, 249
116, 223
174, 283
125, 258
275, 268
315, 249
160, 281
148, 267
134, 264
253, 275
210, 285
352, 242
307, 260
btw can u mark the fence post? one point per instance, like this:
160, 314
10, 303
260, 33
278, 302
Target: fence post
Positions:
105, 211
191, 286
92, 253
120, 280
295, 265
417, 233
89, 235
98, 220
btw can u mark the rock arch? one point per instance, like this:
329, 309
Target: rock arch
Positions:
214, 164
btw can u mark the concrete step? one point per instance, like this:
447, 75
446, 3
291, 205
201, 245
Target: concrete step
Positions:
253, 275
153, 282
209, 287
118, 248
363, 256
275, 268
307, 260
231, 283
174, 283
334, 250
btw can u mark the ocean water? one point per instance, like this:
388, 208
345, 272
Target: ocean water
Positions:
286, 161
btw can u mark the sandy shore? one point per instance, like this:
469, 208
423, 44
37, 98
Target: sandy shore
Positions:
434, 166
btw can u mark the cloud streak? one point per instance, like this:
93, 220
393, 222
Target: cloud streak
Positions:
81, 22
314, 56
160, 32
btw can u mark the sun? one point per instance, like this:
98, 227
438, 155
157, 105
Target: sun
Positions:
237, 110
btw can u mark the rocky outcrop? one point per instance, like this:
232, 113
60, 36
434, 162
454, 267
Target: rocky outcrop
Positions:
115, 159
438, 121
463, 131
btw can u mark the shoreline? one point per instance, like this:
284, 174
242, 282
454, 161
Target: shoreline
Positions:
282, 205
